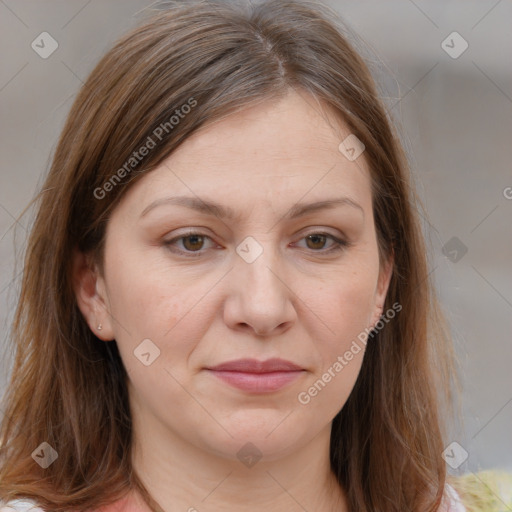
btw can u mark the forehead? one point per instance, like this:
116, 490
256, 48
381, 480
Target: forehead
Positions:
275, 152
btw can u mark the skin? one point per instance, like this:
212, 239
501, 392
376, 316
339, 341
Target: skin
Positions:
295, 301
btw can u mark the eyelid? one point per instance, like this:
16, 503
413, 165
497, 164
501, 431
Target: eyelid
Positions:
339, 244
190, 232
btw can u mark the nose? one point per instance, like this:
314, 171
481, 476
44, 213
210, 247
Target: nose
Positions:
260, 299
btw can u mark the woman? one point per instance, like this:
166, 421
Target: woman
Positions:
226, 303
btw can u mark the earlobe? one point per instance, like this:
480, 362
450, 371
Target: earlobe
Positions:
385, 275
376, 316
384, 280
90, 297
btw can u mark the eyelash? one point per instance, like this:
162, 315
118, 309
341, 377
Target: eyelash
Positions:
339, 244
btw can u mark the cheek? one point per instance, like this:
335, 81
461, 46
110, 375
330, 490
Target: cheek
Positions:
145, 296
345, 305
149, 300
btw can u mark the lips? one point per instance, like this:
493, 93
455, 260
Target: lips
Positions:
257, 376
255, 366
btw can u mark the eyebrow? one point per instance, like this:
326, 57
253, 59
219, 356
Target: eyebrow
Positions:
224, 212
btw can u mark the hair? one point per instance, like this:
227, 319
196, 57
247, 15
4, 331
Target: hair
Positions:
68, 388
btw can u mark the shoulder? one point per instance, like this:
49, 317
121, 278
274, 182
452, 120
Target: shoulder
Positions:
24, 505
486, 491
126, 504
452, 501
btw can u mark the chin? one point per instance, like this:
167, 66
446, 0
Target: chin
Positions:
257, 440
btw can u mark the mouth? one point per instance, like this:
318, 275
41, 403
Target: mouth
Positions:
257, 376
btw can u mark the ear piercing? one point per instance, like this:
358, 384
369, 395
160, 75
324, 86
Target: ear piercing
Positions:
380, 309
99, 327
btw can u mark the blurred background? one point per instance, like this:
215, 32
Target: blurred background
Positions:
446, 80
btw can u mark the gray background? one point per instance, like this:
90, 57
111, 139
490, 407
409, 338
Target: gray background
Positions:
455, 118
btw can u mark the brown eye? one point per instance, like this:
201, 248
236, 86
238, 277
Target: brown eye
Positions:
193, 242
317, 241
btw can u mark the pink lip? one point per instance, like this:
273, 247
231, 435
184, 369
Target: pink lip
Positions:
257, 376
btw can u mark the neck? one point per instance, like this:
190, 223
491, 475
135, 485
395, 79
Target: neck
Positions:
182, 477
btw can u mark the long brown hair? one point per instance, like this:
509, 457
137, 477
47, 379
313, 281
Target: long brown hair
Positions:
68, 388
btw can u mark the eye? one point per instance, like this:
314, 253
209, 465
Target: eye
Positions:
192, 242
316, 242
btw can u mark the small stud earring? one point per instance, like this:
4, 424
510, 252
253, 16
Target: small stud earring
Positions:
100, 327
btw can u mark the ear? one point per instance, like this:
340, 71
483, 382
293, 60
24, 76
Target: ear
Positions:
385, 273
91, 296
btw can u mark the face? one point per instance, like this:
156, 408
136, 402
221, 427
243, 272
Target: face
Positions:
251, 267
